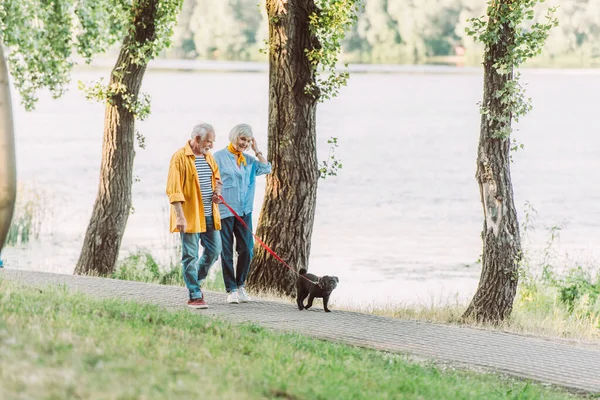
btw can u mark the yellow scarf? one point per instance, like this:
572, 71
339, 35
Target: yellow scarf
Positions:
239, 154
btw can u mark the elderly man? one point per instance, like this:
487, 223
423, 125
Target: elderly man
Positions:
194, 187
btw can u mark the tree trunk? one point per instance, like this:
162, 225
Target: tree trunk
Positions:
287, 216
113, 202
495, 294
8, 167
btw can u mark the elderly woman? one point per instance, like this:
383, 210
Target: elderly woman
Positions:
238, 176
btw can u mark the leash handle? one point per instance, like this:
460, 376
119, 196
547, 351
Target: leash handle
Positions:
260, 241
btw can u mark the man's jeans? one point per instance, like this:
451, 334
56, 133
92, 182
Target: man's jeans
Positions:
231, 227
195, 270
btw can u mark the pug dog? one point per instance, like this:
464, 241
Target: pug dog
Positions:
322, 287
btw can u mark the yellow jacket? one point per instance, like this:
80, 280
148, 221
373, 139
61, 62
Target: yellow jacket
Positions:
183, 186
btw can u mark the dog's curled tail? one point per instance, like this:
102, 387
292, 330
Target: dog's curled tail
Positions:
302, 271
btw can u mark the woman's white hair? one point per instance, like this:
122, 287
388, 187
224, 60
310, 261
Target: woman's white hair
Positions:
201, 130
240, 130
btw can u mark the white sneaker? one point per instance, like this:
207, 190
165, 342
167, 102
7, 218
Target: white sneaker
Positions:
243, 296
233, 298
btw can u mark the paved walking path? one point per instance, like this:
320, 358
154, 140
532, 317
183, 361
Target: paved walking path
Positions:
563, 363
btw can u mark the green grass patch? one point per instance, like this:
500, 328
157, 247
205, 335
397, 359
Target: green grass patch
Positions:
56, 344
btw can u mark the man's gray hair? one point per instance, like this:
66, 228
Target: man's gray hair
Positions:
240, 130
202, 129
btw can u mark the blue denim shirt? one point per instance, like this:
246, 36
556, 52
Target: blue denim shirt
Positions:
239, 183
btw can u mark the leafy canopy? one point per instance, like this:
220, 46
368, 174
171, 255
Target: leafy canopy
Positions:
45, 37
329, 25
137, 49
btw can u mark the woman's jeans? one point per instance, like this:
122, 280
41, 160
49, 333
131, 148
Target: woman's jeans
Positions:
195, 270
230, 228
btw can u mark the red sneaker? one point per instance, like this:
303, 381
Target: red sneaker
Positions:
197, 303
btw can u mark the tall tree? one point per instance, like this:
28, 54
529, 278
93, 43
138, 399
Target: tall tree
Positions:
41, 39
150, 27
304, 35
507, 45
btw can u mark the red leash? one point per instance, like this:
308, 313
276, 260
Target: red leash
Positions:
260, 241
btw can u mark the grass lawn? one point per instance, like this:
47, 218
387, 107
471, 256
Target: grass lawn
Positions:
55, 344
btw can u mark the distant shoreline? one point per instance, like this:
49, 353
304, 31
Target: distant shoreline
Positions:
263, 67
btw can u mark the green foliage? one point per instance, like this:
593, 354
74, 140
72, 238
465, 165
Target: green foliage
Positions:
28, 215
571, 299
79, 347
580, 289
387, 31
142, 51
43, 36
141, 266
92, 17
141, 139
331, 165
504, 27
571, 291
139, 51
233, 37
328, 25
139, 107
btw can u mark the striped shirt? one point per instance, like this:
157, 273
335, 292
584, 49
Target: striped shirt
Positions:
205, 179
